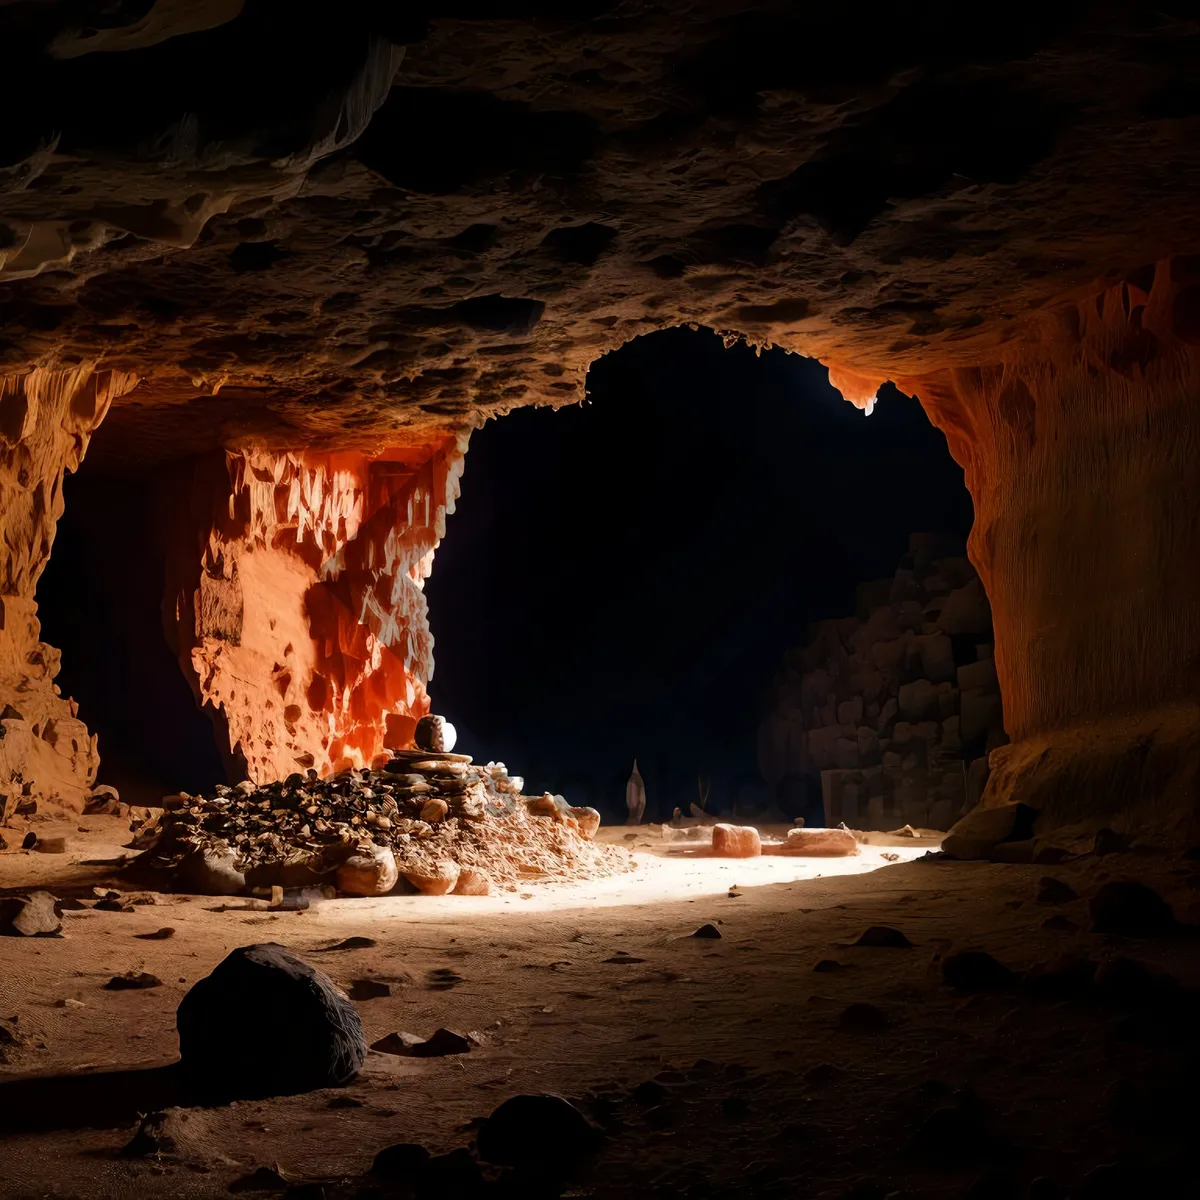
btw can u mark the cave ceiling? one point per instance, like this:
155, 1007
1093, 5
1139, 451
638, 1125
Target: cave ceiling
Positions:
359, 222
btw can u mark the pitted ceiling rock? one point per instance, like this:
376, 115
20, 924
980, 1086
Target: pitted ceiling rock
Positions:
380, 220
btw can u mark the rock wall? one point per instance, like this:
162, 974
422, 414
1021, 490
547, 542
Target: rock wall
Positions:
894, 709
294, 597
46, 420
1080, 449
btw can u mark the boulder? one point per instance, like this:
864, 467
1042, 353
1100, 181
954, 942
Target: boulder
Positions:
434, 810
433, 879
542, 1132
975, 835
736, 841
1127, 907
369, 872
472, 882
35, 915
588, 820
267, 1023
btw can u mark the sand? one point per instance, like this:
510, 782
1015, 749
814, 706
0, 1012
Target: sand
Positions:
593, 990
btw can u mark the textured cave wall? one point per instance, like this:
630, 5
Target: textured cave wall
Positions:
387, 222
1080, 450
46, 421
897, 707
294, 597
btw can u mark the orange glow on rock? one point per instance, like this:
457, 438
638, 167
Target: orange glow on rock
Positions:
302, 617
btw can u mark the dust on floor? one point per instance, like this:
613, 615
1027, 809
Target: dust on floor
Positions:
763, 1083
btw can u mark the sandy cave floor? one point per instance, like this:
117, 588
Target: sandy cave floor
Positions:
762, 1090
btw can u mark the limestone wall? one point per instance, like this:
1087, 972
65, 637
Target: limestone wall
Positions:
894, 709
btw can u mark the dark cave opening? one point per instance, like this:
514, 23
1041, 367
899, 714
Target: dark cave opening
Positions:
100, 602
622, 579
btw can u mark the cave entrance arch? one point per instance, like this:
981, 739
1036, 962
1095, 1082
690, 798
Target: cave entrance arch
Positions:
625, 578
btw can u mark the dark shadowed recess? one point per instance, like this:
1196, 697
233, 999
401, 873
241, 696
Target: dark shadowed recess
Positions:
100, 602
622, 579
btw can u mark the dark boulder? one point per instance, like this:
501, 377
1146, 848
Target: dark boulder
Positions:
542, 1133
976, 971
1130, 908
267, 1023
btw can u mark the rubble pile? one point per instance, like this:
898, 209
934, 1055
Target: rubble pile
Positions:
433, 819
897, 708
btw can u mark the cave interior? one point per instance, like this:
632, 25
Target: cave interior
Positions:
801, 402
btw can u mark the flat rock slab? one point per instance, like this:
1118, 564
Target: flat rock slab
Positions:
819, 843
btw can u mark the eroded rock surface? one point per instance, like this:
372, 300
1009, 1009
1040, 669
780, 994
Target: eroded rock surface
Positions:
387, 223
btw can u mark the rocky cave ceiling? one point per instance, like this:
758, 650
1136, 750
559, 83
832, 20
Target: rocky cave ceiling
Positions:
361, 222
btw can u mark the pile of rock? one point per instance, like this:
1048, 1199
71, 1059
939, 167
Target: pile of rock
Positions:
895, 709
432, 819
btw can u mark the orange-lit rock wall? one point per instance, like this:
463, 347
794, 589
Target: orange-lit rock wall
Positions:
46, 420
1081, 449
295, 600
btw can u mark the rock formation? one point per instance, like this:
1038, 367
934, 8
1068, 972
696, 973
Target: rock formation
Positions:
386, 224
896, 709
294, 598
46, 419
1079, 451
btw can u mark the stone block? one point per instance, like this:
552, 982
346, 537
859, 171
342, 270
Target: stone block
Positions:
846, 754
869, 749
937, 657
850, 711
966, 611
981, 675
887, 714
736, 841
369, 873
888, 656
928, 733
918, 700
951, 737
